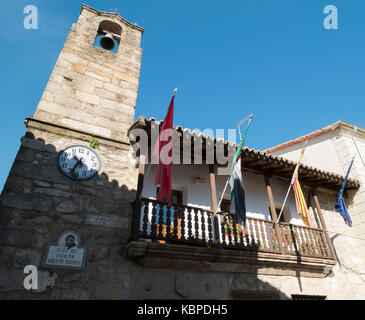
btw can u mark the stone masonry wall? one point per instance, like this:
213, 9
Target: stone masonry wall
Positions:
38, 204
92, 89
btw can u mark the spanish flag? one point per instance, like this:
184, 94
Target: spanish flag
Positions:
300, 203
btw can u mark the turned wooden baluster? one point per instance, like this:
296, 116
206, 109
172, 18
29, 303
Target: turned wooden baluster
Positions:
291, 235
258, 235
190, 234
168, 222
196, 224
295, 239
273, 237
233, 230
229, 231
282, 238
205, 236
324, 244
182, 216
263, 231
307, 242
314, 243
241, 235
160, 222
320, 243
145, 218
300, 240
153, 221
310, 242
268, 228
175, 228
210, 229
246, 239
252, 235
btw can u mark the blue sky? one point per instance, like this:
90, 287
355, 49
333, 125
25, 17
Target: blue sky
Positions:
228, 58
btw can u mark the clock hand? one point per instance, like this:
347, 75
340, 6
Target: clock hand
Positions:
79, 161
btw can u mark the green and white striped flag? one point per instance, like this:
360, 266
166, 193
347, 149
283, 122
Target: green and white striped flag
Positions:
238, 202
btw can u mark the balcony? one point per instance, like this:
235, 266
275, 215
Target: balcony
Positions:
195, 238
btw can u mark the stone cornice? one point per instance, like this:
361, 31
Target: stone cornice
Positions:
111, 14
31, 122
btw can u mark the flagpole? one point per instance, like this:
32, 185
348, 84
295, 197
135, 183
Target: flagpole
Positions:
296, 168
282, 208
225, 187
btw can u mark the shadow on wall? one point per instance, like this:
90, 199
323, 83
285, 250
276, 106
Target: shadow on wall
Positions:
38, 204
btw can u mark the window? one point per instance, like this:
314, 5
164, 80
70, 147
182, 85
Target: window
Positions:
176, 197
255, 295
226, 206
307, 297
282, 217
285, 216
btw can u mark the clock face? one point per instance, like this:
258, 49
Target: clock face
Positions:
78, 162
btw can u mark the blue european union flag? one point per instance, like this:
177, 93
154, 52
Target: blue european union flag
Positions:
340, 204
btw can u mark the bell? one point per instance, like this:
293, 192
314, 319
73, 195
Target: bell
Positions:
107, 42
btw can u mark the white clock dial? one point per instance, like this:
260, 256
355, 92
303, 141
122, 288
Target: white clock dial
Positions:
78, 162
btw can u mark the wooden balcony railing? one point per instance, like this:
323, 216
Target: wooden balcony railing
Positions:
196, 226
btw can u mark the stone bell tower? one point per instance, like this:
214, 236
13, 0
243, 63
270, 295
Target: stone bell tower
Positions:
71, 178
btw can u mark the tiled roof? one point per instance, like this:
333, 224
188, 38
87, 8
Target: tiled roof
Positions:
263, 162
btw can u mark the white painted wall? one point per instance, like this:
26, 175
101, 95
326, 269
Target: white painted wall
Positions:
320, 153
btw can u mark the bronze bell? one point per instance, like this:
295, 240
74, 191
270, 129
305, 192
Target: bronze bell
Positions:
107, 42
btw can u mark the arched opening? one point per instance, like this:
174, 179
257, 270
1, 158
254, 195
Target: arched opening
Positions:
108, 36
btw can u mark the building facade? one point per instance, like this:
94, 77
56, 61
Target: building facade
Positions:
78, 209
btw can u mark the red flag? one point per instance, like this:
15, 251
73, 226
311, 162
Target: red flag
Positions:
163, 152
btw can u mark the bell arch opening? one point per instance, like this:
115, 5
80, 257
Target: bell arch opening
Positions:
108, 36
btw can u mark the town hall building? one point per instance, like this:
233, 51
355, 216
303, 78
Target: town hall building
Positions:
80, 204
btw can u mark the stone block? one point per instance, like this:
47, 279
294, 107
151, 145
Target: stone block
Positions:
97, 76
11, 280
105, 94
46, 280
55, 192
97, 130
88, 98
27, 202
67, 206
106, 221
72, 293
20, 238
72, 219
24, 257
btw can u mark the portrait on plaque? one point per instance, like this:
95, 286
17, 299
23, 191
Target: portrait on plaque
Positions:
67, 253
